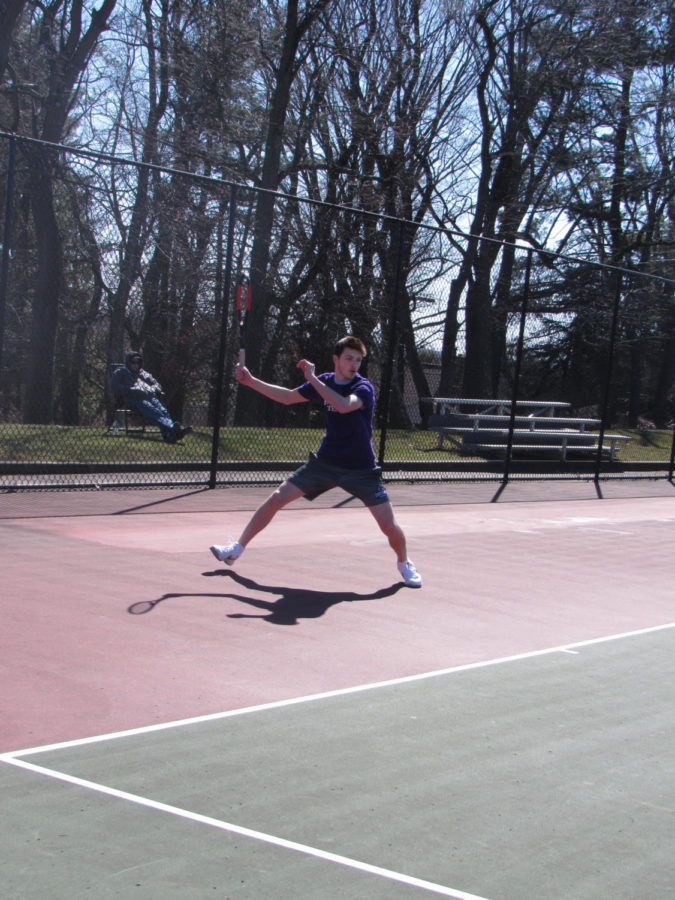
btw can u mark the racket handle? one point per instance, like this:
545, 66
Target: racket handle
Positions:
242, 357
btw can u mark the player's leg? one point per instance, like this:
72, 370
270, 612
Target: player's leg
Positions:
284, 494
383, 514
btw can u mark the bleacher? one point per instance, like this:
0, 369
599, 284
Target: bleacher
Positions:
539, 428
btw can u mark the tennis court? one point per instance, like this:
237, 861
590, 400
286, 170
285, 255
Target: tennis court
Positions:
302, 725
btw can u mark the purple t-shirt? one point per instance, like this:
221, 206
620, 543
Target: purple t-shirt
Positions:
348, 441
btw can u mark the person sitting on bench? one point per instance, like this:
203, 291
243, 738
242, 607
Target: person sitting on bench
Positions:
139, 390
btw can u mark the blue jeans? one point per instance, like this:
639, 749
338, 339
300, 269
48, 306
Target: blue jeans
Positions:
152, 410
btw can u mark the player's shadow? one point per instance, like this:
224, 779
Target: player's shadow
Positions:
294, 604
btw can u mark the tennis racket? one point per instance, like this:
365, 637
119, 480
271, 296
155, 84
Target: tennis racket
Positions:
243, 306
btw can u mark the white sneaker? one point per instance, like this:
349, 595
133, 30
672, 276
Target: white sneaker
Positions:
227, 553
410, 574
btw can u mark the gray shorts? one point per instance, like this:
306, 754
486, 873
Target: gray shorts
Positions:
316, 477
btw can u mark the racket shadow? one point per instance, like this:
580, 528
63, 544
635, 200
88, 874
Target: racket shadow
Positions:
290, 606
142, 607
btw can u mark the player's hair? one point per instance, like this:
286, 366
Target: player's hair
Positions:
352, 342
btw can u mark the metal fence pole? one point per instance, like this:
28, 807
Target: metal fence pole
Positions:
227, 282
608, 378
387, 372
7, 236
671, 468
518, 367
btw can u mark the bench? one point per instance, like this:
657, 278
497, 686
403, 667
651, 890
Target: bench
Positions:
465, 421
541, 431
447, 405
550, 442
559, 442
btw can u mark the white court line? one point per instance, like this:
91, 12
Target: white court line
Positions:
14, 758
249, 833
326, 695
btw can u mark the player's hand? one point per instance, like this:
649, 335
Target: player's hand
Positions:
242, 374
307, 368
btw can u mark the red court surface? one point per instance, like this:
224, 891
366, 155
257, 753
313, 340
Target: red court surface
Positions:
116, 617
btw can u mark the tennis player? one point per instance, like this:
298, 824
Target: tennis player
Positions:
345, 458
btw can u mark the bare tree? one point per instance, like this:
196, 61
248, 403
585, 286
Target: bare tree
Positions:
529, 74
295, 27
10, 14
620, 194
211, 54
65, 38
365, 126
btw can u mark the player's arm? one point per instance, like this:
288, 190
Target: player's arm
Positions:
275, 392
337, 401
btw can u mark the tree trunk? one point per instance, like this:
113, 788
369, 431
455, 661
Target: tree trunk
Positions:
248, 408
10, 10
69, 55
39, 376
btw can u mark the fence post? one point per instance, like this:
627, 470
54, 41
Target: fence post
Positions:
387, 372
518, 366
7, 237
671, 468
608, 379
227, 281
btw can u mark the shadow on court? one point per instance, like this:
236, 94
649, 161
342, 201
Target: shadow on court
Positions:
292, 605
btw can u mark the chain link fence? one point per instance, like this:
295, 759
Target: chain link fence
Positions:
101, 256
